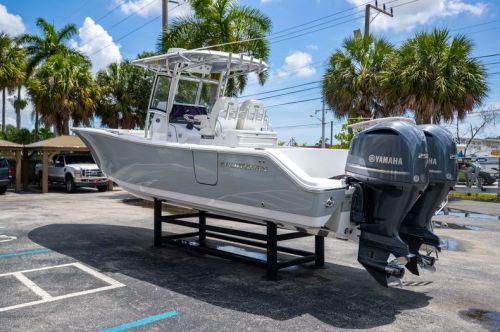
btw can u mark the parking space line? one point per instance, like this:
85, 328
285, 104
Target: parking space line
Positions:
31, 285
47, 297
38, 269
98, 275
21, 253
140, 322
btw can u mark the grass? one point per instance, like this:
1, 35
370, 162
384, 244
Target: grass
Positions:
481, 197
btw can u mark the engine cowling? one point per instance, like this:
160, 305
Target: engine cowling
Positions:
416, 228
388, 163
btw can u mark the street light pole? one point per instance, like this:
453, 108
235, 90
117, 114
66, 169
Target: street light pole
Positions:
323, 124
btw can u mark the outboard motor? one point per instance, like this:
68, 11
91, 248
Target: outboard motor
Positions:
387, 165
416, 228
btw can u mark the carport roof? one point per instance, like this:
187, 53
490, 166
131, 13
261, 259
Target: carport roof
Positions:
9, 146
59, 143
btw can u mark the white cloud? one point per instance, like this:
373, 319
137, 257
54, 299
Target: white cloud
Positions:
152, 7
297, 63
312, 47
97, 44
9, 23
408, 16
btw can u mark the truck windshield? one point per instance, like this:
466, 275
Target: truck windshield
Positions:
79, 160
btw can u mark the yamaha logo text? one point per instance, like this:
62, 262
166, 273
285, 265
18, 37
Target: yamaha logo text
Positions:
388, 160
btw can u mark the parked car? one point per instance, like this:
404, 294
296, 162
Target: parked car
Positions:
475, 169
489, 165
5, 175
74, 170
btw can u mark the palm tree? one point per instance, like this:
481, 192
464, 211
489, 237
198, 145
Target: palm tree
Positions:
434, 75
351, 83
124, 101
40, 48
52, 42
217, 22
62, 90
11, 73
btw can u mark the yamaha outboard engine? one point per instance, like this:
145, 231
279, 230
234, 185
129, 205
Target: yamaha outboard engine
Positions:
387, 165
416, 228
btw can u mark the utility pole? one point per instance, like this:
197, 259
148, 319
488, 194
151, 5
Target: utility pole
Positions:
331, 132
164, 16
367, 15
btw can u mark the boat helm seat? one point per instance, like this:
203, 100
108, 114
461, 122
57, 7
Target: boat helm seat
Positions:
252, 115
224, 116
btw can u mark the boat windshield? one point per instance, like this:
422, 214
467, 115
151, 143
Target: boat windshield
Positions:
160, 96
189, 93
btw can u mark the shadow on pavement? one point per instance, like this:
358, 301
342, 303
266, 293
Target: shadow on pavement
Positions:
340, 296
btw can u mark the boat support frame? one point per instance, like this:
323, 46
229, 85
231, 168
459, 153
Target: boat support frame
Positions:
269, 241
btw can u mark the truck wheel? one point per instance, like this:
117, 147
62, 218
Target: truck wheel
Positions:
3, 190
102, 189
70, 184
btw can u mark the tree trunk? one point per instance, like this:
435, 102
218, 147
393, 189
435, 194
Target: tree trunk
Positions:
18, 108
3, 110
66, 127
36, 125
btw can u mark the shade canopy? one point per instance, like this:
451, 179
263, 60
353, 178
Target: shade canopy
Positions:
59, 143
9, 146
202, 62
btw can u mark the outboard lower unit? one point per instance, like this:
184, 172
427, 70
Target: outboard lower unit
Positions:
416, 228
387, 165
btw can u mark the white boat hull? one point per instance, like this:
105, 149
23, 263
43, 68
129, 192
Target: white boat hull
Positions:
254, 184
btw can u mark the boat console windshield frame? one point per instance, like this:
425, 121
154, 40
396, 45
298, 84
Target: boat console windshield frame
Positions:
188, 82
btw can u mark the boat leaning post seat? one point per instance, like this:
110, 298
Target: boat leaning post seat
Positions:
224, 116
252, 115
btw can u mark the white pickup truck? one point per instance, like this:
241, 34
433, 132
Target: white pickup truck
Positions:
74, 170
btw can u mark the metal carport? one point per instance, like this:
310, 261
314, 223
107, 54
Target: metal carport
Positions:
16, 149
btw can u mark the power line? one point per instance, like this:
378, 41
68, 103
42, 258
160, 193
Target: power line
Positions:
134, 30
119, 22
278, 37
299, 125
128, 34
324, 17
108, 13
77, 10
130, 15
287, 88
294, 102
486, 56
289, 93
313, 31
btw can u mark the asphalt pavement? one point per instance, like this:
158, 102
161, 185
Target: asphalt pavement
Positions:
85, 262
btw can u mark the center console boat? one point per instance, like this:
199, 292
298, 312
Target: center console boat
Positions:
219, 154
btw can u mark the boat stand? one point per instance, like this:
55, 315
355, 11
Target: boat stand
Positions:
272, 262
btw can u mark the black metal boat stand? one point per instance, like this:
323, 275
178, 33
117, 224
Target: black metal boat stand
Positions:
269, 241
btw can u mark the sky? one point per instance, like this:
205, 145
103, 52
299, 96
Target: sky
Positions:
112, 30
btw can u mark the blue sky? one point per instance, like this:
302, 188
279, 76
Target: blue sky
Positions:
116, 29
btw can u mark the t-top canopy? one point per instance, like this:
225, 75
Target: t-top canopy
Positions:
202, 62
